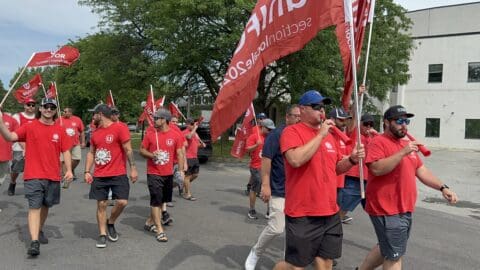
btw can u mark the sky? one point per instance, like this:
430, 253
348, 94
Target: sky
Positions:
28, 26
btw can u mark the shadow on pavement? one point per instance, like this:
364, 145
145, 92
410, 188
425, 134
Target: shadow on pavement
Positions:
85, 229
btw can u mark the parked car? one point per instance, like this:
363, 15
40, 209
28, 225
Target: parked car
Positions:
203, 132
132, 127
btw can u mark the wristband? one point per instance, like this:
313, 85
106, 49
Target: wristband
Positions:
352, 161
444, 186
87, 172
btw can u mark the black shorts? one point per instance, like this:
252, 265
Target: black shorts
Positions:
42, 192
255, 180
101, 186
18, 162
193, 166
310, 237
160, 188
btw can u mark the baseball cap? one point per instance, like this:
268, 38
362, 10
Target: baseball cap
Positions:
189, 121
102, 108
396, 111
313, 97
261, 116
29, 100
48, 101
268, 123
367, 118
115, 110
339, 113
163, 114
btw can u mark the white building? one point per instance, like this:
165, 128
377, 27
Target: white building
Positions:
444, 89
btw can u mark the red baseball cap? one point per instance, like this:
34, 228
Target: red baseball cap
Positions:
30, 100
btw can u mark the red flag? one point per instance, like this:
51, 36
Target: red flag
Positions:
65, 56
159, 103
275, 29
110, 102
29, 89
361, 12
238, 148
174, 110
149, 109
52, 91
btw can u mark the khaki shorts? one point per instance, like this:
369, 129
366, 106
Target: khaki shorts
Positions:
76, 153
4, 170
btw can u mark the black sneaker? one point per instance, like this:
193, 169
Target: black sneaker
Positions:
34, 249
42, 238
252, 214
11, 189
102, 241
166, 219
112, 233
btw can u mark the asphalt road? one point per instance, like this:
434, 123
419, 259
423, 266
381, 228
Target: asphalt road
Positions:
215, 233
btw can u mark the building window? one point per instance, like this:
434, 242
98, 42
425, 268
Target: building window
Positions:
474, 72
435, 72
472, 128
432, 127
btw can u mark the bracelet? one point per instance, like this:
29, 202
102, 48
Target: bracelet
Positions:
87, 172
352, 161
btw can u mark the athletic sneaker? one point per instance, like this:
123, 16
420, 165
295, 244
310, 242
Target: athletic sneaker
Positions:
42, 238
251, 260
166, 219
112, 233
252, 214
102, 241
11, 189
34, 249
346, 219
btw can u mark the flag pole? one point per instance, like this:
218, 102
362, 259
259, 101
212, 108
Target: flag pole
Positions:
111, 97
154, 111
16, 80
178, 109
367, 56
349, 13
58, 104
44, 91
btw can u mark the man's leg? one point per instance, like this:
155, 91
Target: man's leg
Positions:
392, 265
186, 185
102, 216
43, 216
34, 222
117, 210
283, 265
373, 260
323, 264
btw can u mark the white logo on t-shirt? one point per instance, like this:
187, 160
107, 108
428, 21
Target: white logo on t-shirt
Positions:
102, 156
70, 132
55, 137
169, 142
109, 138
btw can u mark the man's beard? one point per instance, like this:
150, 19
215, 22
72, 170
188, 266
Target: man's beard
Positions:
398, 133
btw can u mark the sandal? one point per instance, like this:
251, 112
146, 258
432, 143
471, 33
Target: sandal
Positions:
161, 237
190, 198
150, 228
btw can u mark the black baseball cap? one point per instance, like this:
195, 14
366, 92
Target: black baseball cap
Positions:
396, 111
103, 109
367, 118
338, 113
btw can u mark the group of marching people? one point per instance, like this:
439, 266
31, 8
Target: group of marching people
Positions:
310, 178
50, 149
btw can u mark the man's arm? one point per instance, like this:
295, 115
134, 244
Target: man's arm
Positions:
67, 160
348, 162
266, 191
127, 147
88, 164
386, 165
6, 134
83, 143
145, 153
429, 179
192, 133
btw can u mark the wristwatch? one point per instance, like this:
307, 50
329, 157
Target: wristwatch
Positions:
444, 186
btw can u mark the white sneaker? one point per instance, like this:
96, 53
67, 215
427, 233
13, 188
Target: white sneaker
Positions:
251, 260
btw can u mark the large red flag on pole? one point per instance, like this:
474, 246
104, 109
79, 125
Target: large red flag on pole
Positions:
65, 56
275, 29
175, 111
52, 91
28, 90
110, 101
238, 148
361, 14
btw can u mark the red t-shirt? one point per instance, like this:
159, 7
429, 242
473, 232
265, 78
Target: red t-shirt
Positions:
344, 152
354, 171
168, 143
394, 192
192, 147
5, 146
179, 134
310, 190
110, 159
44, 144
73, 127
256, 154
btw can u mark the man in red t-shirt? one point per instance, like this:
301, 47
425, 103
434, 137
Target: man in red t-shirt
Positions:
312, 163
394, 165
44, 141
178, 177
6, 147
18, 161
160, 147
193, 143
254, 147
110, 148
76, 131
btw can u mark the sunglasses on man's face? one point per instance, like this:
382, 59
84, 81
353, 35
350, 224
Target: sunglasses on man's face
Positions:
30, 104
49, 107
368, 124
317, 107
156, 118
401, 121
